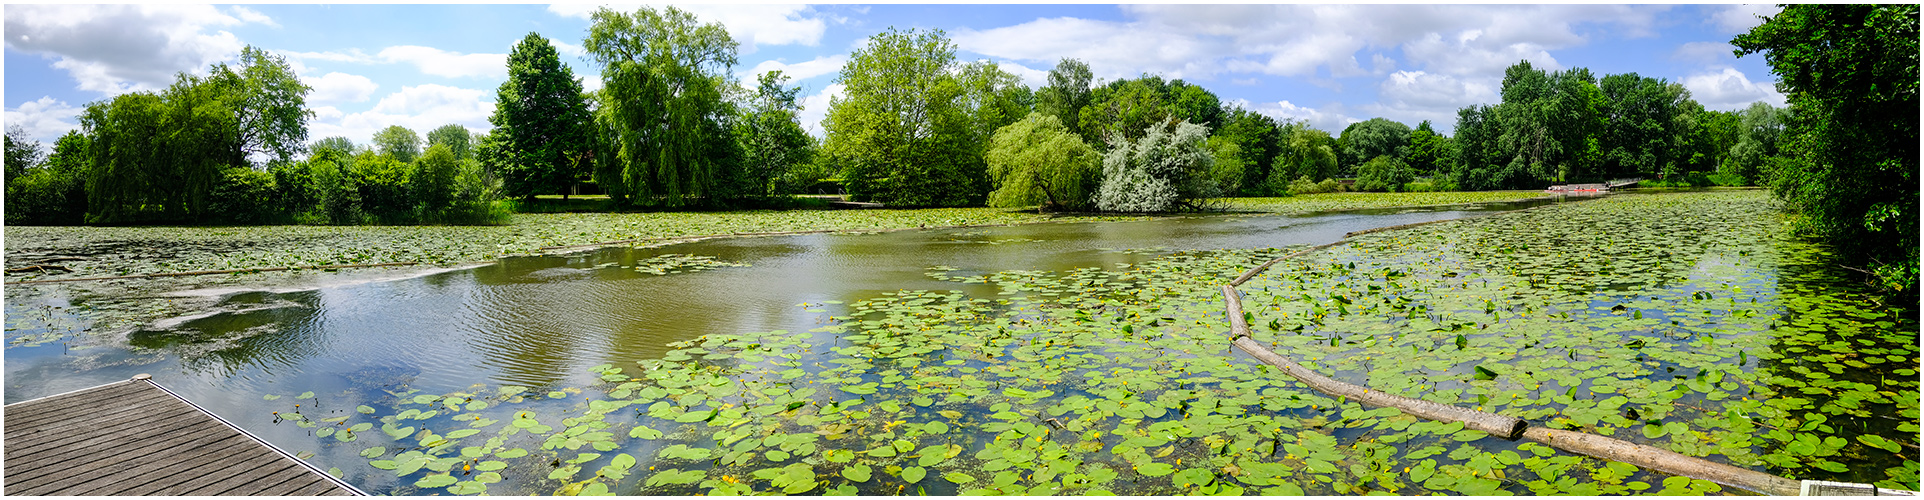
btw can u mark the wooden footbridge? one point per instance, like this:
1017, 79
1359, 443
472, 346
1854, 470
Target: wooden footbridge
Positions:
137, 438
1594, 188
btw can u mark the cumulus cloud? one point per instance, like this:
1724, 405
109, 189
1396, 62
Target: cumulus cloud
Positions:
1735, 19
1467, 54
420, 108
339, 87
750, 25
799, 71
114, 49
815, 109
1034, 78
45, 119
1728, 89
253, 16
439, 62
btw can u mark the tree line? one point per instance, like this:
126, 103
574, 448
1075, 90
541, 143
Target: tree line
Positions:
917, 127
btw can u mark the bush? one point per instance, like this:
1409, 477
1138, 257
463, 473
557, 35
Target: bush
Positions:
44, 196
244, 196
1163, 171
432, 181
476, 197
1302, 185
1727, 179
382, 184
1383, 173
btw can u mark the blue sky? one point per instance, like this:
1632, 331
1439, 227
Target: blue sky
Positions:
423, 66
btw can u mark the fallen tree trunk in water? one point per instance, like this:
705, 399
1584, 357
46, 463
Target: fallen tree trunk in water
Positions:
220, 271
1505, 427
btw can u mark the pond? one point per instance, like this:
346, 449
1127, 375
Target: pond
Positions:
1071, 358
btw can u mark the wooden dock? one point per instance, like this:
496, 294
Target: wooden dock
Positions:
137, 438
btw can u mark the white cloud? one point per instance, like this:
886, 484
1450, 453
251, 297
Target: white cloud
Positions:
339, 87
590, 83
1728, 89
45, 119
1735, 19
114, 49
1703, 52
799, 71
1113, 50
253, 16
1330, 119
1198, 42
815, 108
1034, 78
1468, 54
439, 62
568, 48
749, 25
420, 108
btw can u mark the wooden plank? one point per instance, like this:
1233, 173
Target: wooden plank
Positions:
291, 486
97, 466
137, 439
230, 458
30, 411
86, 432
145, 475
58, 447
323, 488
214, 484
236, 484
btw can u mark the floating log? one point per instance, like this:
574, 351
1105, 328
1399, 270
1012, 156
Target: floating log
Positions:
1505, 427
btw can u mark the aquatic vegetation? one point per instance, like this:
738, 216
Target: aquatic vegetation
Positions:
1684, 321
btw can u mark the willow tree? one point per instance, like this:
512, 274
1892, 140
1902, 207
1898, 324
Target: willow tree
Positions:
1038, 161
662, 107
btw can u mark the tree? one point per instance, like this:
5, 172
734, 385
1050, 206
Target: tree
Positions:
127, 164
1758, 130
1038, 161
1067, 93
540, 121
431, 183
1124, 109
1383, 173
1304, 151
1165, 170
54, 192
1640, 134
398, 142
269, 105
1257, 139
1850, 75
342, 145
455, 137
773, 141
22, 152
1371, 138
1429, 152
904, 126
662, 111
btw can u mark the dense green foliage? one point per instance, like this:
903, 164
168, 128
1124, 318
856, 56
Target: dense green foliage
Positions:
1067, 93
662, 112
904, 127
1038, 161
1303, 153
456, 137
1167, 169
1369, 139
1851, 73
541, 136
1257, 141
775, 148
1124, 109
398, 142
1383, 173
